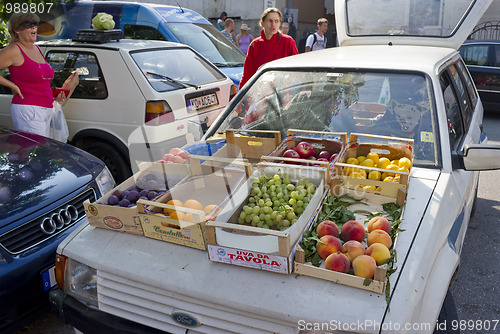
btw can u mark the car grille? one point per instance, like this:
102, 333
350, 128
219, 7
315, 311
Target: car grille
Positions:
153, 306
31, 234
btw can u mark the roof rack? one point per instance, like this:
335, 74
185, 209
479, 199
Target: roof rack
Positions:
97, 36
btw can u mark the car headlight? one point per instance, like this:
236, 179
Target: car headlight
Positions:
105, 181
80, 281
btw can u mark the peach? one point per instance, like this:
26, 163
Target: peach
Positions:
364, 266
175, 151
183, 154
337, 262
379, 236
379, 252
379, 223
168, 157
353, 230
327, 227
327, 245
352, 249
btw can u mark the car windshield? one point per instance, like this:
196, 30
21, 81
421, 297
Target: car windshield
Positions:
207, 40
388, 104
171, 69
405, 17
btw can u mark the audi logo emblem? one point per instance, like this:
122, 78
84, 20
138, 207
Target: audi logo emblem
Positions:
59, 219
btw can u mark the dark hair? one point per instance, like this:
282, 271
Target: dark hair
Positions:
222, 15
17, 19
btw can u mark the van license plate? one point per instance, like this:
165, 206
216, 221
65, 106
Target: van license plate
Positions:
49, 278
202, 102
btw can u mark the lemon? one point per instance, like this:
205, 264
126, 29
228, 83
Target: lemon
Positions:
374, 156
389, 179
374, 175
369, 187
403, 169
405, 162
368, 163
383, 162
395, 162
361, 158
352, 161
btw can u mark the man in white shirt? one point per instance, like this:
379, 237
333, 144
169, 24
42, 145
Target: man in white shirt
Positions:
317, 41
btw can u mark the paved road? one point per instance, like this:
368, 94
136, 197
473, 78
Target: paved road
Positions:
476, 289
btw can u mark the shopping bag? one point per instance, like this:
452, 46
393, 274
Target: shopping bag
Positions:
58, 126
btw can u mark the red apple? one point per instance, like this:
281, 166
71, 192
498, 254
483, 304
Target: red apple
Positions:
334, 155
291, 154
305, 150
324, 155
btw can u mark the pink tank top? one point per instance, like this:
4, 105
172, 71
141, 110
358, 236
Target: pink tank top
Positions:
33, 79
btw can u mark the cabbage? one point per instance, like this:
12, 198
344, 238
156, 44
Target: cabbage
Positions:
103, 21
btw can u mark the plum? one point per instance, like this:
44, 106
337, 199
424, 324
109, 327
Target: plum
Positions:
113, 200
118, 193
152, 194
144, 193
152, 185
133, 196
124, 203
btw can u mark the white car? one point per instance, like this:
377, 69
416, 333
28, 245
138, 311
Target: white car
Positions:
136, 99
407, 67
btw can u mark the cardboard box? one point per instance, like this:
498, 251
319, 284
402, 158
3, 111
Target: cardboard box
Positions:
333, 142
377, 285
125, 219
266, 249
389, 147
249, 144
206, 185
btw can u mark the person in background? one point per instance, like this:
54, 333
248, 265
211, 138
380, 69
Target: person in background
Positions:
317, 41
285, 28
271, 44
220, 21
30, 76
228, 32
244, 38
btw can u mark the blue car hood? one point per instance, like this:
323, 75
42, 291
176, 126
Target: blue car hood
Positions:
234, 73
36, 171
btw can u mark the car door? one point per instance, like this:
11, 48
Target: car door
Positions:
464, 122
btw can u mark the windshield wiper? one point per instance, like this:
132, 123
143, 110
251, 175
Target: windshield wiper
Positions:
169, 79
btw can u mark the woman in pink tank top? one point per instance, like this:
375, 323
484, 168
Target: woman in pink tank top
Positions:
30, 77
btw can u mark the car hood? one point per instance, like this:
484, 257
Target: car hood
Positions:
36, 171
445, 23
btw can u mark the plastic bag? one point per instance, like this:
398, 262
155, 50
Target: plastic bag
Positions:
58, 126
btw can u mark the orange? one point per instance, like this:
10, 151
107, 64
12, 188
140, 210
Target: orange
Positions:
174, 202
209, 208
193, 204
188, 218
177, 215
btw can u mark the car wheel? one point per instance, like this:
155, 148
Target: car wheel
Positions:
448, 317
116, 163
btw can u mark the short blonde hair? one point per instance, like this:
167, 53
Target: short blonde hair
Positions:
16, 20
270, 10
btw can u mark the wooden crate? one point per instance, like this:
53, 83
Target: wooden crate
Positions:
333, 142
251, 148
389, 147
213, 184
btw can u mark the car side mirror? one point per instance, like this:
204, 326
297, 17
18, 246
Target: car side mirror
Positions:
478, 157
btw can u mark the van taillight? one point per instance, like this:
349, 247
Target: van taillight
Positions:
158, 112
233, 92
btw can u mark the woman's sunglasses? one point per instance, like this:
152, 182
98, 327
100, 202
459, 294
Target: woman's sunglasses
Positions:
28, 24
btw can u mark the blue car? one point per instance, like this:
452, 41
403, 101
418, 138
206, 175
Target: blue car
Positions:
43, 184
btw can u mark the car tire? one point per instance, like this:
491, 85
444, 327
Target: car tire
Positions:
448, 317
116, 163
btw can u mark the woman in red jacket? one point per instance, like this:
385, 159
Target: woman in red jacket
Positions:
271, 44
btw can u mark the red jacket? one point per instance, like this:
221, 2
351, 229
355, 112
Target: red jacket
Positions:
262, 51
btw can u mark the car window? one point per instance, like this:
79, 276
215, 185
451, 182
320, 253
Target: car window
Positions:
453, 113
469, 84
91, 85
475, 54
462, 94
208, 41
135, 31
497, 55
171, 69
388, 104
4, 72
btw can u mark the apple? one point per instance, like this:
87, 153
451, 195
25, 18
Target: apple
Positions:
291, 154
305, 150
323, 159
324, 155
333, 156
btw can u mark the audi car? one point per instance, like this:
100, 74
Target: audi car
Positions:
43, 184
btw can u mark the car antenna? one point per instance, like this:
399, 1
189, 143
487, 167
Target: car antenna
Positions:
182, 10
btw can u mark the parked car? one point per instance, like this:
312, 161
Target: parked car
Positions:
386, 78
136, 99
147, 21
483, 62
43, 184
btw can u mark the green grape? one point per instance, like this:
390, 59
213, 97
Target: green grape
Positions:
265, 226
264, 189
241, 220
294, 221
274, 214
248, 210
267, 217
300, 203
287, 181
260, 223
300, 197
256, 209
243, 214
290, 216
254, 224
269, 203
279, 218
311, 189
270, 182
251, 205
261, 202
295, 207
294, 194
251, 199
278, 183
255, 219
249, 218
280, 195
273, 188
299, 210
276, 177
256, 180
262, 216
285, 223
292, 201
290, 186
